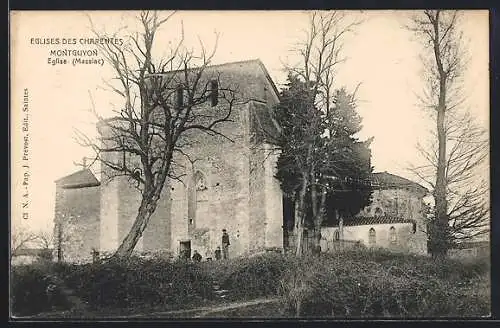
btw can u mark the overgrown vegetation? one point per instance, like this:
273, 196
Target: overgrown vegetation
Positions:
347, 284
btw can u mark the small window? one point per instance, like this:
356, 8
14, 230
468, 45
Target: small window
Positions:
372, 237
336, 235
414, 227
179, 97
214, 92
392, 235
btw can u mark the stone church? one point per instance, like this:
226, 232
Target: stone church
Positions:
230, 186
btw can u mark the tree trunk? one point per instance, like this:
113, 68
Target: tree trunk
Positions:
440, 242
59, 243
299, 216
341, 229
128, 244
318, 216
299, 225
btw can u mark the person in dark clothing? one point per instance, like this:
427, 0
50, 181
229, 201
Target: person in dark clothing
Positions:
196, 256
218, 253
225, 244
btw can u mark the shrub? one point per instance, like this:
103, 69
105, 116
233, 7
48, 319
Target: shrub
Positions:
136, 282
251, 277
32, 291
379, 284
139, 282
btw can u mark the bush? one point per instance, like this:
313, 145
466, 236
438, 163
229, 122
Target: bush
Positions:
119, 284
255, 277
381, 284
354, 283
138, 282
251, 277
32, 291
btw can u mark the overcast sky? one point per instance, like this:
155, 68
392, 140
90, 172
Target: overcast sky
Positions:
381, 56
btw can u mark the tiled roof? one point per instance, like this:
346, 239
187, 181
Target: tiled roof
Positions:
472, 244
81, 179
388, 180
376, 220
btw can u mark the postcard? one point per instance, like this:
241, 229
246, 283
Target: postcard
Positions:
249, 164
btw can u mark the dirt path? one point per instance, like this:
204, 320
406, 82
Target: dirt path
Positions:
204, 311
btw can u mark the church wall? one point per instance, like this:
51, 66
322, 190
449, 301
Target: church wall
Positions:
178, 216
109, 240
157, 235
404, 203
257, 202
274, 201
77, 214
129, 202
223, 202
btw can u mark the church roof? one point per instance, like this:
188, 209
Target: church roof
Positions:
373, 220
80, 179
385, 180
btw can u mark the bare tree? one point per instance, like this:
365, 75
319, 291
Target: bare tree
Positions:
164, 101
467, 192
24, 239
319, 57
460, 146
20, 239
61, 236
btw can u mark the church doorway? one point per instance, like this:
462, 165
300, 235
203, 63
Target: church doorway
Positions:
185, 249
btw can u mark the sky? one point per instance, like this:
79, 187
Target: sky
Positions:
382, 59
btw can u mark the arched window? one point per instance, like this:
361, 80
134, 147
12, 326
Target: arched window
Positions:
197, 199
372, 237
378, 211
392, 235
336, 235
200, 181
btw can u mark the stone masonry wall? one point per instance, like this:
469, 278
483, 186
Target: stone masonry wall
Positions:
257, 232
274, 200
224, 203
77, 214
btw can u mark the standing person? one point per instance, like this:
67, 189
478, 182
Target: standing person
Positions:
218, 254
225, 244
196, 256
